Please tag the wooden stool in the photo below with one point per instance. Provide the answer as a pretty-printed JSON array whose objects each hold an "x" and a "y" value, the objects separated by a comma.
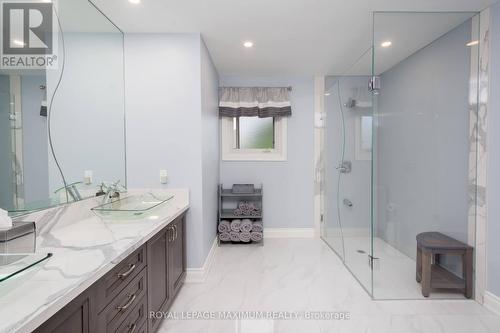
[{"x": 432, "y": 275}]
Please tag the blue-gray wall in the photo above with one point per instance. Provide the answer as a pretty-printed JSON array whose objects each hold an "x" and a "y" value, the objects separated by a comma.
[
  {"x": 422, "y": 152},
  {"x": 172, "y": 124},
  {"x": 493, "y": 240},
  {"x": 209, "y": 145},
  {"x": 288, "y": 185}
]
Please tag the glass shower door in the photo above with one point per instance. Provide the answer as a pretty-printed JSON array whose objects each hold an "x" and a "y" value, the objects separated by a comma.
[{"x": 347, "y": 184}]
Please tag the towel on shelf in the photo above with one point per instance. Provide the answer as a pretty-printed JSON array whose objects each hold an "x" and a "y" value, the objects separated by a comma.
[
  {"x": 234, "y": 236},
  {"x": 235, "y": 225},
  {"x": 246, "y": 208},
  {"x": 256, "y": 236},
  {"x": 258, "y": 226},
  {"x": 244, "y": 236},
  {"x": 255, "y": 212},
  {"x": 224, "y": 226},
  {"x": 224, "y": 236},
  {"x": 246, "y": 225}
]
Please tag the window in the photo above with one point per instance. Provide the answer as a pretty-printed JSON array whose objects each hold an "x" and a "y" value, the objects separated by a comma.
[
  {"x": 364, "y": 138},
  {"x": 254, "y": 139}
]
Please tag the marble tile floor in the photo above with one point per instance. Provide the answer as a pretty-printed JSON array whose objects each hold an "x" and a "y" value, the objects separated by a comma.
[{"x": 302, "y": 276}]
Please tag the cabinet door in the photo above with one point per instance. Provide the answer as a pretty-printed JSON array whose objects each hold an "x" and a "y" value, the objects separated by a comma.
[
  {"x": 74, "y": 318},
  {"x": 158, "y": 272},
  {"x": 177, "y": 251}
]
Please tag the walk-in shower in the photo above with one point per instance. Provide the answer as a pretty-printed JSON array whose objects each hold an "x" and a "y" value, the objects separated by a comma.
[{"x": 398, "y": 153}]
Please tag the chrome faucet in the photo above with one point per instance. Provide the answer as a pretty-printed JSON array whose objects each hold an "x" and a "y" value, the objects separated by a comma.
[{"x": 111, "y": 191}]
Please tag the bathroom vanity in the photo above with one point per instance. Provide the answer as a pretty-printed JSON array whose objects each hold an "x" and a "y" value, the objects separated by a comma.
[
  {"x": 105, "y": 275},
  {"x": 120, "y": 301}
]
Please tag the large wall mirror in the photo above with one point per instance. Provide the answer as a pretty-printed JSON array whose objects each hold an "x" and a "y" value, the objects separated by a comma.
[{"x": 62, "y": 130}]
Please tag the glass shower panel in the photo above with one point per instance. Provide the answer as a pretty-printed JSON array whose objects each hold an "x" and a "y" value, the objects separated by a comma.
[
  {"x": 347, "y": 205},
  {"x": 426, "y": 64}
]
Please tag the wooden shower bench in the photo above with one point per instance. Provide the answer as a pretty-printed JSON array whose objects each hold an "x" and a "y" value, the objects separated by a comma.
[{"x": 431, "y": 274}]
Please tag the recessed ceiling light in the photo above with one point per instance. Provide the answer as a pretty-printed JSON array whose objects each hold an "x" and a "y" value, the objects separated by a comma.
[
  {"x": 327, "y": 94},
  {"x": 135, "y": 2},
  {"x": 387, "y": 43},
  {"x": 472, "y": 43},
  {"x": 248, "y": 44}
]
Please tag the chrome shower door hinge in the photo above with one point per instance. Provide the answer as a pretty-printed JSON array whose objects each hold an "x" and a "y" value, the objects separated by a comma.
[
  {"x": 373, "y": 262},
  {"x": 374, "y": 84}
]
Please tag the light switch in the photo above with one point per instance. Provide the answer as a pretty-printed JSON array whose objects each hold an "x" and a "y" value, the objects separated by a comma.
[
  {"x": 163, "y": 176},
  {"x": 87, "y": 177}
]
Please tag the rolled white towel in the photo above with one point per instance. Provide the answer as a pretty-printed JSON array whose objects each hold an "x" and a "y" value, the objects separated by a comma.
[
  {"x": 224, "y": 226},
  {"x": 257, "y": 226},
  {"x": 235, "y": 225},
  {"x": 246, "y": 225},
  {"x": 244, "y": 236},
  {"x": 235, "y": 236},
  {"x": 224, "y": 236},
  {"x": 256, "y": 236}
]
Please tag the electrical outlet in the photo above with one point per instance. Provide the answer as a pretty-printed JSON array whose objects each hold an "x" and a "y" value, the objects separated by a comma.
[
  {"x": 87, "y": 177},
  {"x": 163, "y": 176}
]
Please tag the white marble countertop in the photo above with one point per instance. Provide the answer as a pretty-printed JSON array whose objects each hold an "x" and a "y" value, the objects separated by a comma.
[{"x": 85, "y": 247}]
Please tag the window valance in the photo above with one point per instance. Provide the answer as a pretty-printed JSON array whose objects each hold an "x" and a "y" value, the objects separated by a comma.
[{"x": 259, "y": 102}]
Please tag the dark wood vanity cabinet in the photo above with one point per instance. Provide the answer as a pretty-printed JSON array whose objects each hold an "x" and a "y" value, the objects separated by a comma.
[
  {"x": 166, "y": 268},
  {"x": 74, "y": 317},
  {"x": 177, "y": 257},
  {"x": 121, "y": 301},
  {"x": 158, "y": 270}
]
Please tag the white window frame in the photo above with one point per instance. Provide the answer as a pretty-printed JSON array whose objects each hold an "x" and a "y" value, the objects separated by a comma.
[{"x": 228, "y": 142}]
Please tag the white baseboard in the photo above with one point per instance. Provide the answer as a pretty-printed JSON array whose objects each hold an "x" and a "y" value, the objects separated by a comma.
[
  {"x": 199, "y": 275},
  {"x": 289, "y": 233},
  {"x": 492, "y": 302}
]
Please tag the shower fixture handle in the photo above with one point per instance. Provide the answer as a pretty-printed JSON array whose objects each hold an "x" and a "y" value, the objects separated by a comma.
[
  {"x": 348, "y": 203},
  {"x": 344, "y": 167}
]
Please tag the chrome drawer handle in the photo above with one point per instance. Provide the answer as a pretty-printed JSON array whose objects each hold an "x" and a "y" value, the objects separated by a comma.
[
  {"x": 130, "y": 301},
  {"x": 127, "y": 272},
  {"x": 131, "y": 327},
  {"x": 170, "y": 239},
  {"x": 175, "y": 232}
]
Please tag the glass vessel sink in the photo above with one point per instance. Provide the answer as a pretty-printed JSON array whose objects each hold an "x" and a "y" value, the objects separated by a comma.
[
  {"x": 15, "y": 263},
  {"x": 132, "y": 207}
]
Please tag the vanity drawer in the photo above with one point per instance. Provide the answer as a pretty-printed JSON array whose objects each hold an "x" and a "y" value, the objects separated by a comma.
[
  {"x": 113, "y": 282},
  {"x": 123, "y": 304},
  {"x": 136, "y": 319}
]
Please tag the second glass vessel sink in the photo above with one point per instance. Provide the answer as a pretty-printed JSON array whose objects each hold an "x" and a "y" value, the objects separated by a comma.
[{"x": 132, "y": 207}]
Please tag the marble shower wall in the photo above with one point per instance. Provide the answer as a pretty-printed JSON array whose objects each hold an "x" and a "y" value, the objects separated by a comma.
[{"x": 479, "y": 154}]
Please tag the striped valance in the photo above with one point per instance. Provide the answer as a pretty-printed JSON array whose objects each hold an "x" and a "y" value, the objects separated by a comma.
[{"x": 260, "y": 102}]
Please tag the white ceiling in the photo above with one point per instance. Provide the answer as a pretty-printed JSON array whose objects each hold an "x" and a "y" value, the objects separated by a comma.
[{"x": 292, "y": 37}]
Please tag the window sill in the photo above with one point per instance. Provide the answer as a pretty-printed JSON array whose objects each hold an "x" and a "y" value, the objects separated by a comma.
[{"x": 256, "y": 156}]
